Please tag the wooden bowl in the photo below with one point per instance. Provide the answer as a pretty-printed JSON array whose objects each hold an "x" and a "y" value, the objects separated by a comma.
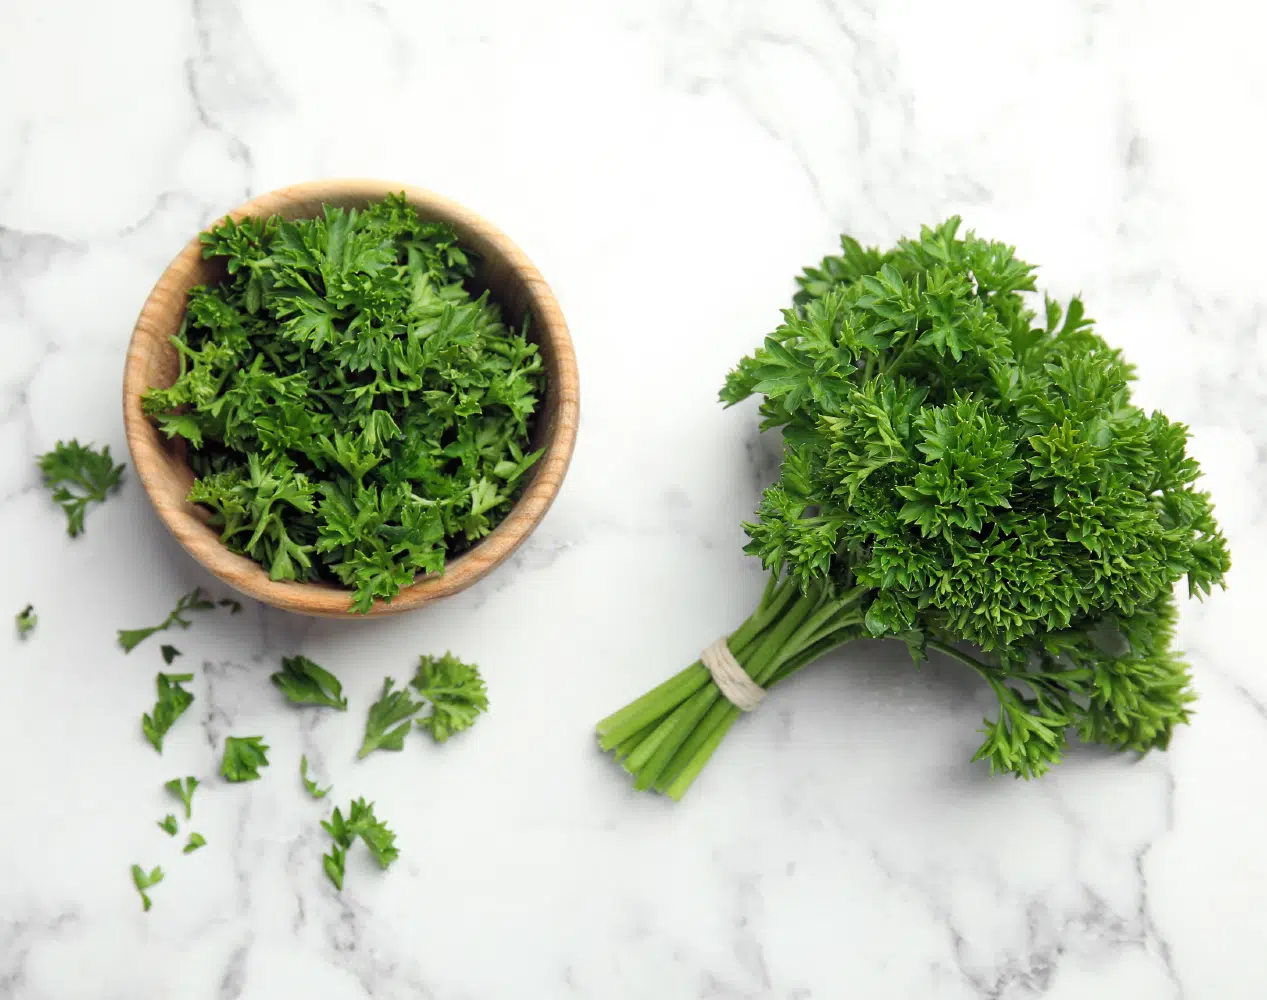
[{"x": 161, "y": 464}]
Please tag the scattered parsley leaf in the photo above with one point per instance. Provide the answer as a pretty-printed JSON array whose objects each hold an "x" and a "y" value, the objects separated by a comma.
[
  {"x": 228, "y": 602},
  {"x": 356, "y": 410},
  {"x": 195, "y": 600},
  {"x": 172, "y": 702},
  {"x": 196, "y": 840},
  {"x": 168, "y": 825},
  {"x": 79, "y": 476},
  {"x": 243, "y": 757},
  {"x": 305, "y": 683},
  {"x": 360, "y": 822},
  {"x": 456, "y": 693},
  {"x": 26, "y": 620},
  {"x": 169, "y": 653},
  {"x": 184, "y": 790},
  {"x": 334, "y": 864},
  {"x": 143, "y": 880},
  {"x": 313, "y": 789},
  {"x": 393, "y": 708}
]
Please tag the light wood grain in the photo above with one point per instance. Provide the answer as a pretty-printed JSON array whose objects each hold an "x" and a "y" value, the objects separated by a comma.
[{"x": 513, "y": 282}]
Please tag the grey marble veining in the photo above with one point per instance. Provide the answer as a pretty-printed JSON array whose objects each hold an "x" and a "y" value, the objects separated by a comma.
[{"x": 669, "y": 165}]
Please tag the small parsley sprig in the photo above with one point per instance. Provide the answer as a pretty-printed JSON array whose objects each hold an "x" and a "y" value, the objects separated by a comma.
[
  {"x": 26, "y": 620},
  {"x": 306, "y": 683},
  {"x": 243, "y": 758},
  {"x": 195, "y": 600},
  {"x": 172, "y": 702},
  {"x": 144, "y": 880},
  {"x": 455, "y": 691},
  {"x": 196, "y": 840},
  {"x": 79, "y": 476},
  {"x": 169, "y": 825},
  {"x": 313, "y": 788},
  {"x": 360, "y": 822},
  {"x": 183, "y": 789},
  {"x": 355, "y": 409},
  {"x": 389, "y": 720}
]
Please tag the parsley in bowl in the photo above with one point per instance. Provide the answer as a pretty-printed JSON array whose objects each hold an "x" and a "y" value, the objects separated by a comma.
[{"x": 349, "y": 397}]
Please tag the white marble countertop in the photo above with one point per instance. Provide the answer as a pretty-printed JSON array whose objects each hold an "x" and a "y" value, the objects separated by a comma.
[{"x": 669, "y": 165}]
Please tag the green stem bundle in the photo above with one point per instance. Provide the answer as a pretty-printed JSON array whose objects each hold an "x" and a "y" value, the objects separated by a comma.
[{"x": 665, "y": 738}]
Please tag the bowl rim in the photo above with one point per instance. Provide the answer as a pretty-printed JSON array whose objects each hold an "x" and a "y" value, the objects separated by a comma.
[{"x": 149, "y": 452}]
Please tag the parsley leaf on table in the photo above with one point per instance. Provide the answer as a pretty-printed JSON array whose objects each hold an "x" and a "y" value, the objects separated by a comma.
[
  {"x": 393, "y": 709},
  {"x": 243, "y": 757},
  {"x": 306, "y": 683},
  {"x": 26, "y": 620},
  {"x": 79, "y": 476},
  {"x": 313, "y": 789},
  {"x": 144, "y": 880},
  {"x": 355, "y": 409},
  {"x": 360, "y": 822},
  {"x": 195, "y": 600},
  {"x": 172, "y": 702},
  {"x": 184, "y": 790},
  {"x": 169, "y": 653},
  {"x": 196, "y": 840},
  {"x": 168, "y": 825},
  {"x": 456, "y": 693}
]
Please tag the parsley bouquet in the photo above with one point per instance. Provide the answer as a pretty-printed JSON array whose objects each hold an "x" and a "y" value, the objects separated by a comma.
[
  {"x": 961, "y": 475},
  {"x": 353, "y": 409}
]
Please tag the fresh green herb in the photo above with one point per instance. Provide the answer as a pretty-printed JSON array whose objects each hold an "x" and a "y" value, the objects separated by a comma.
[
  {"x": 78, "y": 476},
  {"x": 243, "y": 757},
  {"x": 305, "y": 683},
  {"x": 169, "y": 653},
  {"x": 172, "y": 702},
  {"x": 313, "y": 789},
  {"x": 26, "y": 620},
  {"x": 228, "y": 602},
  {"x": 361, "y": 822},
  {"x": 144, "y": 881},
  {"x": 393, "y": 708},
  {"x": 184, "y": 790},
  {"x": 195, "y": 600},
  {"x": 456, "y": 693},
  {"x": 352, "y": 412},
  {"x": 168, "y": 825},
  {"x": 962, "y": 476},
  {"x": 335, "y": 863},
  {"x": 196, "y": 840}
]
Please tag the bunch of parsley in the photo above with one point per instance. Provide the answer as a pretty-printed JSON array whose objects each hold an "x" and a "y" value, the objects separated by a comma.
[
  {"x": 964, "y": 476},
  {"x": 353, "y": 410}
]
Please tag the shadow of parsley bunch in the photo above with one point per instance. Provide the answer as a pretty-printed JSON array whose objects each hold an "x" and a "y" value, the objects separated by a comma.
[
  {"x": 962, "y": 476},
  {"x": 352, "y": 410}
]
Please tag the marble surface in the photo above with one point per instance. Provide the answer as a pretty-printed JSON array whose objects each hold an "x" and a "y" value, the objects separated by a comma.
[{"x": 669, "y": 165}]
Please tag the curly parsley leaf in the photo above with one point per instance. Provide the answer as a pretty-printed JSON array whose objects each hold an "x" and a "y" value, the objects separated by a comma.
[
  {"x": 455, "y": 691},
  {"x": 313, "y": 789},
  {"x": 359, "y": 822},
  {"x": 144, "y": 880},
  {"x": 306, "y": 683},
  {"x": 196, "y": 840},
  {"x": 195, "y": 600},
  {"x": 26, "y": 620},
  {"x": 172, "y": 702},
  {"x": 79, "y": 476},
  {"x": 388, "y": 722},
  {"x": 168, "y": 825},
  {"x": 243, "y": 758},
  {"x": 355, "y": 410},
  {"x": 184, "y": 790},
  {"x": 169, "y": 653}
]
